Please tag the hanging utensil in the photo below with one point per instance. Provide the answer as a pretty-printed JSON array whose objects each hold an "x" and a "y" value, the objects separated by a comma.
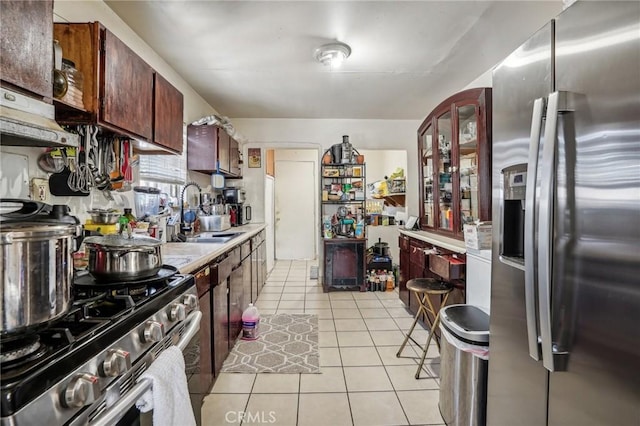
[
  {"x": 217, "y": 179},
  {"x": 116, "y": 175},
  {"x": 81, "y": 179},
  {"x": 49, "y": 164},
  {"x": 126, "y": 166},
  {"x": 59, "y": 182}
]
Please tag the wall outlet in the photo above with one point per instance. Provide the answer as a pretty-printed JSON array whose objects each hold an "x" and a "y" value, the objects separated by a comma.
[{"x": 40, "y": 190}]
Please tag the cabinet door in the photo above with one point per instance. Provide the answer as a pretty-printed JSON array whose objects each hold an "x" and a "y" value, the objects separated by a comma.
[
  {"x": 458, "y": 159},
  {"x": 236, "y": 304},
  {"x": 202, "y": 148},
  {"x": 247, "y": 282},
  {"x": 234, "y": 157},
  {"x": 26, "y": 48},
  {"x": 223, "y": 151},
  {"x": 262, "y": 256},
  {"x": 126, "y": 88},
  {"x": 344, "y": 264},
  {"x": 444, "y": 172},
  {"x": 220, "y": 326},
  {"x": 467, "y": 148},
  {"x": 168, "y": 114},
  {"x": 404, "y": 271},
  {"x": 427, "y": 176},
  {"x": 206, "y": 348}
]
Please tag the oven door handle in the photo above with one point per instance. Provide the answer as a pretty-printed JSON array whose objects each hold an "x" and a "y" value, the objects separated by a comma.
[{"x": 116, "y": 411}]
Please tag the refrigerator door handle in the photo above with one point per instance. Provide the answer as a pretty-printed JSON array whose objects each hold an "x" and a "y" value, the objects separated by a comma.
[
  {"x": 529, "y": 230},
  {"x": 557, "y": 103}
]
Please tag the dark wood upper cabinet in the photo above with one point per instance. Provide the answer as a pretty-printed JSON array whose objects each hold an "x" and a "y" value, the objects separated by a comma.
[
  {"x": 207, "y": 145},
  {"x": 168, "y": 114},
  {"x": 121, "y": 92},
  {"x": 202, "y": 148},
  {"x": 454, "y": 147},
  {"x": 224, "y": 154},
  {"x": 234, "y": 157},
  {"x": 26, "y": 46},
  {"x": 126, "y": 88}
]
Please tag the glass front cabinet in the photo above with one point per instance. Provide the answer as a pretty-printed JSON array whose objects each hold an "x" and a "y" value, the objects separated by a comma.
[{"x": 454, "y": 147}]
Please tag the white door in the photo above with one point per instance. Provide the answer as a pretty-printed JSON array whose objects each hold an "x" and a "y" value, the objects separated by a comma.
[
  {"x": 269, "y": 219},
  {"x": 295, "y": 205}
]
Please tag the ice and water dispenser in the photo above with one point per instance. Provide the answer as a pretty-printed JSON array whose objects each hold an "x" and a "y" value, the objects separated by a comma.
[{"x": 513, "y": 211}]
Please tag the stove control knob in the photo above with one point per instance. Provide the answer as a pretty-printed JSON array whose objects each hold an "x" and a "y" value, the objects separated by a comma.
[
  {"x": 117, "y": 362},
  {"x": 177, "y": 312},
  {"x": 153, "y": 332},
  {"x": 190, "y": 301},
  {"x": 83, "y": 389}
]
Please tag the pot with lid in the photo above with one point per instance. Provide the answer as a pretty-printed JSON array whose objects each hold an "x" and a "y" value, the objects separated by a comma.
[
  {"x": 37, "y": 242},
  {"x": 117, "y": 258},
  {"x": 381, "y": 249}
]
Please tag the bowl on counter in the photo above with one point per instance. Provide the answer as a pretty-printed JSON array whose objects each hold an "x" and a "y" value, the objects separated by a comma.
[{"x": 106, "y": 217}]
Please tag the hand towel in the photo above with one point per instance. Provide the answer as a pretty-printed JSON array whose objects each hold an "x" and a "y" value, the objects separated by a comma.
[{"x": 169, "y": 395}]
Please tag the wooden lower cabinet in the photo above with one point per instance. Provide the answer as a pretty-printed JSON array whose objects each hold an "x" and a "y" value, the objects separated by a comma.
[
  {"x": 220, "y": 325},
  {"x": 198, "y": 356},
  {"x": 344, "y": 264},
  {"x": 415, "y": 263},
  {"x": 403, "y": 242},
  {"x": 236, "y": 304}
]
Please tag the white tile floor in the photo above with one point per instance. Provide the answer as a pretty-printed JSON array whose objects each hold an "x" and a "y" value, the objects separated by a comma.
[{"x": 362, "y": 382}]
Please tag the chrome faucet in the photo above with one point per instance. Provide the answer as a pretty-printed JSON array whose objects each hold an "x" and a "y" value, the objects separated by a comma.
[{"x": 183, "y": 228}]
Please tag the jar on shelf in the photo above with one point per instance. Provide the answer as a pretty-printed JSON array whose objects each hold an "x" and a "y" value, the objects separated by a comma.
[{"x": 75, "y": 81}]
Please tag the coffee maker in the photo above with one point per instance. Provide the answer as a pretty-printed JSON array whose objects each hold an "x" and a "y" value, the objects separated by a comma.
[{"x": 241, "y": 215}]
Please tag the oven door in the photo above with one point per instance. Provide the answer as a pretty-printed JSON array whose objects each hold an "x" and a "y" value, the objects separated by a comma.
[{"x": 124, "y": 411}]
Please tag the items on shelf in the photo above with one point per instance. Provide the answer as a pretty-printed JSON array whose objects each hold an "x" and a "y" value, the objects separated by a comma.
[
  {"x": 343, "y": 183},
  {"x": 380, "y": 280}
]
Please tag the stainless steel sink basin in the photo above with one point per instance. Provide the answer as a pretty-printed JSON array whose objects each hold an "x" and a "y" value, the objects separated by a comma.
[{"x": 214, "y": 237}]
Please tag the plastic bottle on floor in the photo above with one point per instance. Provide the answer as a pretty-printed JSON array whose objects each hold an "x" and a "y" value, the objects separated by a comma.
[{"x": 250, "y": 322}]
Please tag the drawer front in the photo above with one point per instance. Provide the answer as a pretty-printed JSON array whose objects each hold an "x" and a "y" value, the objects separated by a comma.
[
  {"x": 447, "y": 266},
  {"x": 416, "y": 254},
  {"x": 403, "y": 242},
  {"x": 203, "y": 280}
]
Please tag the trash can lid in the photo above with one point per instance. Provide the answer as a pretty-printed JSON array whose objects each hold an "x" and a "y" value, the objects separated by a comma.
[{"x": 467, "y": 323}]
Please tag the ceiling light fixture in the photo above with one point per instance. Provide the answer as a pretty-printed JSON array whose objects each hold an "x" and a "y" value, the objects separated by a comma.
[{"x": 332, "y": 54}]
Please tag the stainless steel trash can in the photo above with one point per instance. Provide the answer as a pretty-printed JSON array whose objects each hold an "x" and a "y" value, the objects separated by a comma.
[{"x": 463, "y": 365}]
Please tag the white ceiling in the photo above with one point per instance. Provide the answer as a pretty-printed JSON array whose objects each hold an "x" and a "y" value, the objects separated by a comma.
[{"x": 254, "y": 59}]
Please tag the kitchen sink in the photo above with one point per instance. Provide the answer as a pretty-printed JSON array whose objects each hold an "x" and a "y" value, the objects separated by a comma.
[{"x": 214, "y": 237}]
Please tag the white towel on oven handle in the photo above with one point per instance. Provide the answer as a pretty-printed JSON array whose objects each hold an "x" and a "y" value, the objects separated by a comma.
[{"x": 169, "y": 395}]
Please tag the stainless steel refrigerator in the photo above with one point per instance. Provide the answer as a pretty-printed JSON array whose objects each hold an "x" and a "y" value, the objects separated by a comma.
[{"x": 565, "y": 297}]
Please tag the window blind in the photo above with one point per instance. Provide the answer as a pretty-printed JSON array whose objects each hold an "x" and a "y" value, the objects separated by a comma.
[{"x": 165, "y": 168}]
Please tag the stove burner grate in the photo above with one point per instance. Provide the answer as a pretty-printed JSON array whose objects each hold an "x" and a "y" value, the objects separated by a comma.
[
  {"x": 87, "y": 281},
  {"x": 12, "y": 350}
]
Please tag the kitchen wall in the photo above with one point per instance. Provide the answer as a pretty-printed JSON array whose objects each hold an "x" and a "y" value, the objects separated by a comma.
[{"x": 321, "y": 134}]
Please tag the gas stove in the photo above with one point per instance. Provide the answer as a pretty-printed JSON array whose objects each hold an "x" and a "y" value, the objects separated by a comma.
[{"x": 78, "y": 369}]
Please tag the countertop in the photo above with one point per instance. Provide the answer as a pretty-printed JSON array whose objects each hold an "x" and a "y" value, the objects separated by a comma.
[
  {"x": 188, "y": 257},
  {"x": 456, "y": 246}
]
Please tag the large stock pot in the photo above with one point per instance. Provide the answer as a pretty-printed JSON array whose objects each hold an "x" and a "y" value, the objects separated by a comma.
[
  {"x": 37, "y": 272},
  {"x": 116, "y": 258}
]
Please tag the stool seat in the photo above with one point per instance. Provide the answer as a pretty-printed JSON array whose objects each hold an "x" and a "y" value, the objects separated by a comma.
[
  {"x": 429, "y": 285},
  {"x": 423, "y": 288}
]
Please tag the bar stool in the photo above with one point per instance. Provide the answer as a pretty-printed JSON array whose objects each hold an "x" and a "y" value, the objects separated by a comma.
[{"x": 422, "y": 288}]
